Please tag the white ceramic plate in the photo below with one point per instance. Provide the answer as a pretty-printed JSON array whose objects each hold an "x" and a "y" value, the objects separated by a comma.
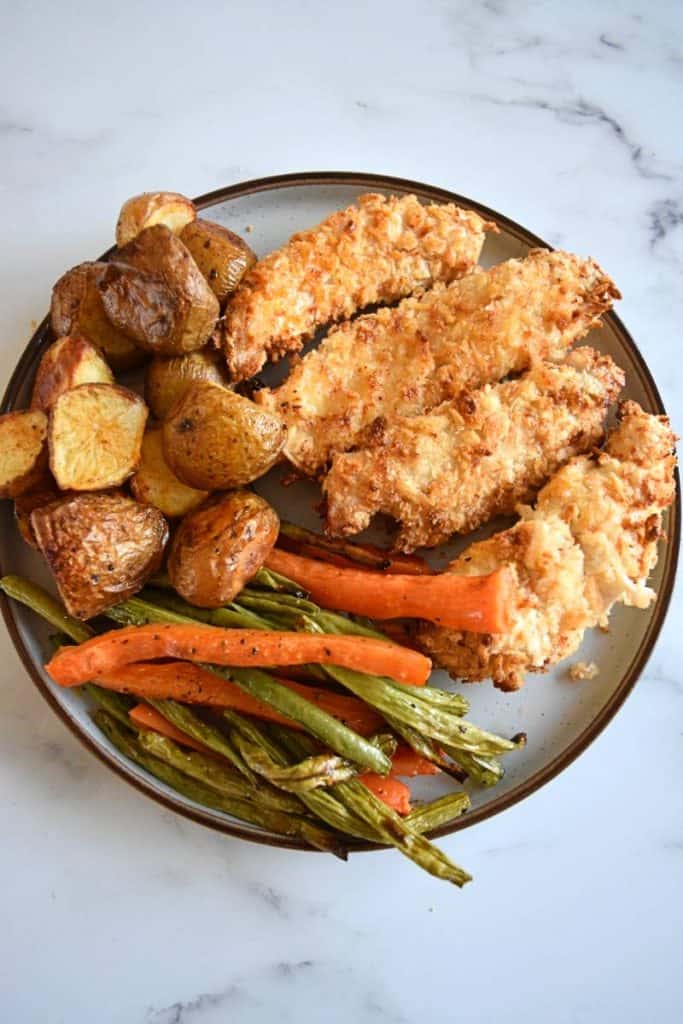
[{"x": 560, "y": 717}]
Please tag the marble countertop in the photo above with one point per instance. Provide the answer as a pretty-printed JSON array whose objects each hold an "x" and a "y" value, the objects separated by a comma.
[{"x": 567, "y": 118}]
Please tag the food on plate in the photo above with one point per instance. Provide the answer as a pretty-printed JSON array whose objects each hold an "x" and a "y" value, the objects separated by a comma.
[
  {"x": 26, "y": 503},
  {"x": 590, "y": 542},
  {"x": 581, "y": 670},
  {"x": 23, "y": 451},
  {"x": 168, "y": 378},
  {"x": 68, "y": 362},
  {"x": 473, "y": 458},
  {"x": 171, "y": 209},
  {"x": 217, "y": 440},
  {"x": 101, "y": 548},
  {"x": 348, "y": 554},
  {"x": 218, "y": 548},
  {"x": 76, "y": 308},
  {"x": 154, "y": 482},
  {"x": 156, "y": 294},
  {"x": 480, "y": 603},
  {"x": 378, "y": 250},
  {"x": 95, "y": 436},
  {"x": 221, "y": 255},
  {"x": 406, "y": 360}
]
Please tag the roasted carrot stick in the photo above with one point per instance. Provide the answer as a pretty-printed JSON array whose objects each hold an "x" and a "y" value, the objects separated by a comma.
[
  {"x": 391, "y": 791},
  {"x": 149, "y": 718},
  {"x": 248, "y": 648},
  {"x": 475, "y": 603},
  {"x": 344, "y": 552},
  {"x": 409, "y": 764}
]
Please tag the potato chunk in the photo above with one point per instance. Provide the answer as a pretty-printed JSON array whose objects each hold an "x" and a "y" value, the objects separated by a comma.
[
  {"x": 66, "y": 364},
  {"x": 150, "y": 208},
  {"x": 217, "y": 440},
  {"x": 77, "y": 309},
  {"x": 167, "y": 380},
  {"x": 156, "y": 484},
  {"x": 217, "y": 549},
  {"x": 101, "y": 548},
  {"x": 222, "y": 256},
  {"x": 23, "y": 451},
  {"x": 155, "y": 293},
  {"x": 95, "y": 436}
]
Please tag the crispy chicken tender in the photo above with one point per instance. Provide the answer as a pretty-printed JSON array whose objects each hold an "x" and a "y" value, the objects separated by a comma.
[
  {"x": 475, "y": 457},
  {"x": 405, "y": 361},
  {"x": 376, "y": 251},
  {"x": 590, "y": 542}
]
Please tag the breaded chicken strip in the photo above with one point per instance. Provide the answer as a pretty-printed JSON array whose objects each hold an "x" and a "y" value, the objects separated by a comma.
[
  {"x": 376, "y": 251},
  {"x": 590, "y": 542},
  {"x": 405, "y": 361},
  {"x": 475, "y": 457}
]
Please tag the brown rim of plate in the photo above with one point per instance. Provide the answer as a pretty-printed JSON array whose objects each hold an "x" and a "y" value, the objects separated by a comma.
[{"x": 41, "y": 338}]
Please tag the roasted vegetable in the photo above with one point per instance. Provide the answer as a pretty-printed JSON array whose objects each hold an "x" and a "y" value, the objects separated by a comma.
[
  {"x": 222, "y": 256},
  {"x": 155, "y": 293},
  {"x": 144, "y": 211},
  {"x": 156, "y": 484},
  {"x": 101, "y": 548},
  {"x": 95, "y": 436},
  {"x": 68, "y": 362},
  {"x": 23, "y": 452},
  {"x": 217, "y": 440},
  {"x": 25, "y": 504},
  {"x": 77, "y": 309},
  {"x": 166, "y": 380},
  {"x": 217, "y": 549}
]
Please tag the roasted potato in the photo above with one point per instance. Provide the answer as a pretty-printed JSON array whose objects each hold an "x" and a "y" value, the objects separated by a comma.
[
  {"x": 166, "y": 380},
  {"x": 101, "y": 548},
  {"x": 217, "y": 440},
  {"x": 68, "y": 362},
  {"x": 156, "y": 484},
  {"x": 154, "y": 292},
  {"x": 25, "y": 504},
  {"x": 95, "y": 436},
  {"x": 150, "y": 208},
  {"x": 222, "y": 256},
  {"x": 23, "y": 452},
  {"x": 217, "y": 549},
  {"x": 77, "y": 308}
]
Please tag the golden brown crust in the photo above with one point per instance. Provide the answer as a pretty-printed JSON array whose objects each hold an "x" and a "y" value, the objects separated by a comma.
[
  {"x": 154, "y": 482},
  {"x": 221, "y": 255},
  {"x": 68, "y": 362},
  {"x": 475, "y": 457},
  {"x": 23, "y": 452},
  {"x": 590, "y": 542},
  {"x": 406, "y": 360},
  {"x": 375, "y": 251}
]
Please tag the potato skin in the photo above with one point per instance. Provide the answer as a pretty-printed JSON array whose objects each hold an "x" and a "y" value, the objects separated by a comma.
[
  {"x": 25, "y": 504},
  {"x": 154, "y": 483},
  {"x": 150, "y": 208},
  {"x": 217, "y": 440},
  {"x": 217, "y": 549},
  {"x": 222, "y": 256},
  {"x": 23, "y": 452},
  {"x": 167, "y": 379},
  {"x": 76, "y": 308},
  {"x": 95, "y": 436},
  {"x": 101, "y": 548},
  {"x": 155, "y": 293},
  {"x": 68, "y": 362}
]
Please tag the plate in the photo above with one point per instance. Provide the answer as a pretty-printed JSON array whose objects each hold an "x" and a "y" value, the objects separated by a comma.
[{"x": 561, "y": 717}]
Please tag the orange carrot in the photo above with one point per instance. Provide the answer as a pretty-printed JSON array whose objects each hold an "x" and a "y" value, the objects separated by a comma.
[
  {"x": 392, "y": 792},
  {"x": 247, "y": 648},
  {"x": 475, "y": 603},
  {"x": 149, "y": 718},
  {"x": 409, "y": 764},
  {"x": 192, "y": 684}
]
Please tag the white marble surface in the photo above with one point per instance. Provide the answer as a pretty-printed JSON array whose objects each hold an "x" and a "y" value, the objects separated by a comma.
[{"x": 566, "y": 117}]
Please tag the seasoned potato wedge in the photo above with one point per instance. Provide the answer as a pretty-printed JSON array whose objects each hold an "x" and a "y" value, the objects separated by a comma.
[
  {"x": 166, "y": 380},
  {"x": 154, "y": 292},
  {"x": 155, "y": 483},
  {"x": 222, "y": 256},
  {"x": 77, "y": 308},
  {"x": 217, "y": 440},
  {"x": 101, "y": 548},
  {"x": 95, "y": 436},
  {"x": 25, "y": 504},
  {"x": 68, "y": 362},
  {"x": 150, "y": 208},
  {"x": 217, "y": 549},
  {"x": 23, "y": 452}
]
